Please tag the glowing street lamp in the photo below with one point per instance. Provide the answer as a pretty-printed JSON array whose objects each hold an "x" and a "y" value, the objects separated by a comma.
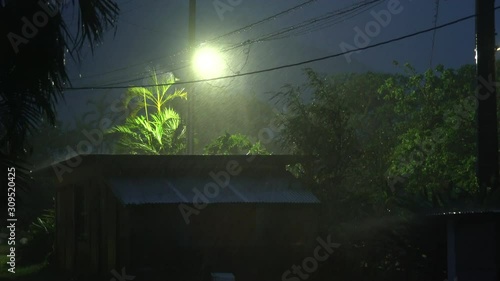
[{"x": 208, "y": 62}]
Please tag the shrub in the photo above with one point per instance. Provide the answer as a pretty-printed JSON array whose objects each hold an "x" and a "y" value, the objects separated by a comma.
[{"x": 40, "y": 241}]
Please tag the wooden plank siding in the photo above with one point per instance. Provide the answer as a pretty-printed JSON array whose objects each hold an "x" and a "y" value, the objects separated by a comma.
[
  {"x": 59, "y": 243},
  {"x": 63, "y": 215},
  {"x": 103, "y": 252},
  {"x": 94, "y": 225},
  {"x": 81, "y": 234},
  {"x": 68, "y": 229},
  {"x": 79, "y": 247},
  {"x": 123, "y": 236},
  {"x": 111, "y": 228},
  {"x": 96, "y": 232}
]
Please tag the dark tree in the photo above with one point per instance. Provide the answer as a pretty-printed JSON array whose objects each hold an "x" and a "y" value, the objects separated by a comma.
[{"x": 35, "y": 40}]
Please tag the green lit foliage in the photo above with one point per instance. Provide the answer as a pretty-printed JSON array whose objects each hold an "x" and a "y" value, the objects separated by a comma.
[
  {"x": 370, "y": 118},
  {"x": 161, "y": 133},
  {"x": 338, "y": 128},
  {"x": 319, "y": 128},
  {"x": 152, "y": 127},
  {"x": 415, "y": 129},
  {"x": 234, "y": 144},
  {"x": 434, "y": 157},
  {"x": 40, "y": 239},
  {"x": 148, "y": 100},
  {"x": 347, "y": 129}
]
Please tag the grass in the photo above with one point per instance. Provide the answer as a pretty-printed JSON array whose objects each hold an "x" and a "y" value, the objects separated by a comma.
[
  {"x": 29, "y": 272},
  {"x": 32, "y": 272}
]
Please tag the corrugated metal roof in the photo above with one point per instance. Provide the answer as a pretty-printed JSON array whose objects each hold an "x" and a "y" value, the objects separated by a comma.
[
  {"x": 465, "y": 212},
  {"x": 139, "y": 191}
]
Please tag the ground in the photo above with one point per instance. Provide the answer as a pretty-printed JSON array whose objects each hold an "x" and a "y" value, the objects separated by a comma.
[{"x": 35, "y": 272}]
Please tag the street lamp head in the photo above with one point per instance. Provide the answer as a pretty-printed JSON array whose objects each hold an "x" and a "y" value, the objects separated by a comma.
[{"x": 208, "y": 62}]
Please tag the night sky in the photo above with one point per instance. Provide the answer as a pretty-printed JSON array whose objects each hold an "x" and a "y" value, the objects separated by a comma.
[{"x": 154, "y": 33}]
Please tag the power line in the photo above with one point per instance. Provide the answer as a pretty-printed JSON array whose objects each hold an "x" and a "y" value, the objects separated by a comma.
[
  {"x": 280, "y": 34},
  {"x": 322, "y": 22},
  {"x": 344, "y": 14},
  {"x": 263, "y": 20},
  {"x": 292, "y": 64},
  {"x": 244, "y": 28},
  {"x": 185, "y": 65}
]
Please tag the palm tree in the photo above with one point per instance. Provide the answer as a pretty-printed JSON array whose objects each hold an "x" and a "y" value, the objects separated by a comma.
[
  {"x": 159, "y": 133},
  {"x": 152, "y": 127},
  {"x": 34, "y": 41},
  {"x": 145, "y": 99}
]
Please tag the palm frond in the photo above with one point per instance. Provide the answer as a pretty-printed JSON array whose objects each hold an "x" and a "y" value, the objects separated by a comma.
[
  {"x": 95, "y": 16},
  {"x": 34, "y": 73}
]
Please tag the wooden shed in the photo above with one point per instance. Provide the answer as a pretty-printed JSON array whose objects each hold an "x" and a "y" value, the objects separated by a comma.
[{"x": 182, "y": 216}]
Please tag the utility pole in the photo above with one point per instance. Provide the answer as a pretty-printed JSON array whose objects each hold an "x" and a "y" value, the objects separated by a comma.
[
  {"x": 190, "y": 100},
  {"x": 487, "y": 127}
]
